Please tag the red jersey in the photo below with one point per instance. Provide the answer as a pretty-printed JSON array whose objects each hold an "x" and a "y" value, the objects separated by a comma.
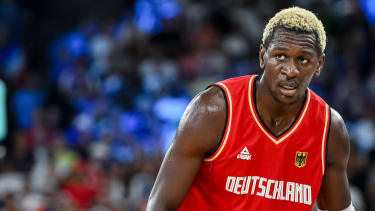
[{"x": 255, "y": 170}]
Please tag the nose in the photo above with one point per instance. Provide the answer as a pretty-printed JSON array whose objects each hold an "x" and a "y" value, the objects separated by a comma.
[{"x": 290, "y": 69}]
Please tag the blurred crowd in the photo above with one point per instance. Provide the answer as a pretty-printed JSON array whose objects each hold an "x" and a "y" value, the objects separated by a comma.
[{"x": 93, "y": 104}]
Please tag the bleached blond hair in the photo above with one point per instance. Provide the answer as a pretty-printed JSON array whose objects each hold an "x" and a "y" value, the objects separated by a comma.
[{"x": 296, "y": 19}]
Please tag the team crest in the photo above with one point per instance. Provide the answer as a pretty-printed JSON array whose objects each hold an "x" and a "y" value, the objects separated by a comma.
[{"x": 300, "y": 160}]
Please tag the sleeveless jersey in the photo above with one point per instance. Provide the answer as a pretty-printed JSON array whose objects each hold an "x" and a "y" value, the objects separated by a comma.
[{"x": 254, "y": 170}]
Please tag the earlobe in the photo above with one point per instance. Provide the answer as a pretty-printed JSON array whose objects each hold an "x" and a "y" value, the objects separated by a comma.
[
  {"x": 262, "y": 52},
  {"x": 317, "y": 72},
  {"x": 320, "y": 65}
]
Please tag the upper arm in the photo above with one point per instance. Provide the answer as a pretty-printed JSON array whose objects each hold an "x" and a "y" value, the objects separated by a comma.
[
  {"x": 199, "y": 132},
  {"x": 334, "y": 193}
]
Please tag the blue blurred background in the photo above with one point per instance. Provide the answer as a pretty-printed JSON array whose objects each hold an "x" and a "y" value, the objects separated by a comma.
[{"x": 95, "y": 90}]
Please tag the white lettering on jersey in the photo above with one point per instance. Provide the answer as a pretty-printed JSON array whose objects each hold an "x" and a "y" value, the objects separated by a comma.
[
  {"x": 275, "y": 189},
  {"x": 245, "y": 188},
  {"x": 289, "y": 191},
  {"x": 261, "y": 186},
  {"x": 306, "y": 194},
  {"x": 238, "y": 185},
  {"x": 298, "y": 193},
  {"x": 270, "y": 189},
  {"x": 279, "y": 191},
  {"x": 255, "y": 178},
  {"x": 270, "y": 181},
  {"x": 230, "y": 184}
]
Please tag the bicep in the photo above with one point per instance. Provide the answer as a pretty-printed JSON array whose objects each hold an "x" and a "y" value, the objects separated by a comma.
[
  {"x": 175, "y": 177},
  {"x": 199, "y": 131},
  {"x": 334, "y": 193}
]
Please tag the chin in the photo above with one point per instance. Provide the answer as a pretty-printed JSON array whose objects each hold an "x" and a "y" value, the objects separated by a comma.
[{"x": 287, "y": 100}]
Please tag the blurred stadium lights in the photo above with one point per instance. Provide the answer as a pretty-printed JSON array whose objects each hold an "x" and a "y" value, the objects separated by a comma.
[
  {"x": 149, "y": 14},
  {"x": 76, "y": 44},
  {"x": 368, "y": 7}
]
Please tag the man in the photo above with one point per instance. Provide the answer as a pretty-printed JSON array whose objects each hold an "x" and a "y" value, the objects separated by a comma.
[{"x": 261, "y": 142}]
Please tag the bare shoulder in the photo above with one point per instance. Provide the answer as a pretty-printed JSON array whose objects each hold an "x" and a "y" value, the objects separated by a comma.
[
  {"x": 209, "y": 101},
  {"x": 338, "y": 140},
  {"x": 203, "y": 121},
  {"x": 337, "y": 122},
  {"x": 199, "y": 132}
]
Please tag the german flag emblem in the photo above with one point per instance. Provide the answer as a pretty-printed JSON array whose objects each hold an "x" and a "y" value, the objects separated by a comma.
[{"x": 300, "y": 160}]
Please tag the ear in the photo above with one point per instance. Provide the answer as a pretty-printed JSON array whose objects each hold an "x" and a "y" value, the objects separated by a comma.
[
  {"x": 262, "y": 53},
  {"x": 321, "y": 61}
]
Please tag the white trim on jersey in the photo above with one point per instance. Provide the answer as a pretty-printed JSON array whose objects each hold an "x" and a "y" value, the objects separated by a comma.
[{"x": 350, "y": 208}]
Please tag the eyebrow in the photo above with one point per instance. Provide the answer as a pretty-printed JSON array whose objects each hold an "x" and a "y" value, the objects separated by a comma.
[
  {"x": 304, "y": 50},
  {"x": 309, "y": 52}
]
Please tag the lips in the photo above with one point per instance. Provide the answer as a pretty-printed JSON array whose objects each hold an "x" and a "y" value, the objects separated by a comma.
[{"x": 288, "y": 89}]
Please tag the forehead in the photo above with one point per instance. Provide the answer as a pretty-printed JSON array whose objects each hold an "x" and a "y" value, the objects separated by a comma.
[{"x": 288, "y": 39}]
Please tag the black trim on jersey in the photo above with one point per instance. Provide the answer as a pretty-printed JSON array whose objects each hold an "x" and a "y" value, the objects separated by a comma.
[
  {"x": 264, "y": 125},
  {"x": 329, "y": 130},
  {"x": 213, "y": 151}
]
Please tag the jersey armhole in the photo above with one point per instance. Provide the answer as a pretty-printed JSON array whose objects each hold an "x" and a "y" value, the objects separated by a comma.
[
  {"x": 210, "y": 156},
  {"x": 327, "y": 129}
]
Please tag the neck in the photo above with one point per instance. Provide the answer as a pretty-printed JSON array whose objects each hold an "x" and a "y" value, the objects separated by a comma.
[{"x": 274, "y": 113}]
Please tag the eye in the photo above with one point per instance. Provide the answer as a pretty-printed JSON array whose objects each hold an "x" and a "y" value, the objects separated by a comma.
[
  {"x": 280, "y": 56},
  {"x": 303, "y": 60}
]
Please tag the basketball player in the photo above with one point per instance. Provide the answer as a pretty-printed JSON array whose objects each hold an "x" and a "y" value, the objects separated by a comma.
[{"x": 261, "y": 143}]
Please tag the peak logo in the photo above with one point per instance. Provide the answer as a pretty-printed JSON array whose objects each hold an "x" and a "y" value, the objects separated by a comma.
[{"x": 244, "y": 155}]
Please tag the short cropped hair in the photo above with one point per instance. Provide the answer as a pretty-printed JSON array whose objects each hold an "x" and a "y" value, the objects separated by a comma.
[{"x": 298, "y": 20}]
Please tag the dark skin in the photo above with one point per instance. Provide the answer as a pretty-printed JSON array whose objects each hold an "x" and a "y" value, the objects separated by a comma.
[{"x": 289, "y": 63}]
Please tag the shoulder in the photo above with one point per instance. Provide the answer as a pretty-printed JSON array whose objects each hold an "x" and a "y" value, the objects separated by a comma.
[
  {"x": 338, "y": 139},
  {"x": 206, "y": 112},
  {"x": 209, "y": 103},
  {"x": 338, "y": 127},
  {"x": 336, "y": 119}
]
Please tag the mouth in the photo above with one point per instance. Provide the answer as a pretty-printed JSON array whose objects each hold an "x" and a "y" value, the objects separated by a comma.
[{"x": 288, "y": 90}]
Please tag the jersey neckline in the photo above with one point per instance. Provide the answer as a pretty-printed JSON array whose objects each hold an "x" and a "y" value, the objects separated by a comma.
[{"x": 277, "y": 139}]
